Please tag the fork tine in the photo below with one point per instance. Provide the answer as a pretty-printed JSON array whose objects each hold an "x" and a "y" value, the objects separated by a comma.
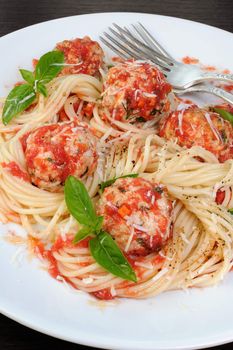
[
  {"x": 128, "y": 45},
  {"x": 143, "y": 32},
  {"x": 122, "y": 54},
  {"x": 122, "y": 47},
  {"x": 135, "y": 51},
  {"x": 169, "y": 61},
  {"x": 144, "y": 37},
  {"x": 113, "y": 48}
]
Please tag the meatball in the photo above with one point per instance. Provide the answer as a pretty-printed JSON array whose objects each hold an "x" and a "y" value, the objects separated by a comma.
[
  {"x": 55, "y": 151},
  {"x": 137, "y": 213},
  {"x": 86, "y": 55},
  {"x": 197, "y": 127},
  {"x": 135, "y": 91}
]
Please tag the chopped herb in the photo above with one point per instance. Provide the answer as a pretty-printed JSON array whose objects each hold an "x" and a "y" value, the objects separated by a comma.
[
  {"x": 223, "y": 135},
  {"x": 224, "y": 114},
  {"x": 158, "y": 189},
  {"x": 144, "y": 208},
  {"x": 85, "y": 172},
  {"x": 140, "y": 119},
  {"x": 125, "y": 108},
  {"x": 141, "y": 242},
  {"x": 108, "y": 183},
  {"x": 154, "y": 111},
  {"x": 121, "y": 189}
]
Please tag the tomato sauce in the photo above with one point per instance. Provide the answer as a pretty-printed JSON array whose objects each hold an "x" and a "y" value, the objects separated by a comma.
[
  {"x": 227, "y": 87},
  {"x": 19, "y": 83},
  {"x": 59, "y": 244},
  {"x": 15, "y": 170},
  {"x": 190, "y": 60},
  {"x": 103, "y": 294},
  {"x": 220, "y": 197},
  {"x": 86, "y": 111},
  {"x": 210, "y": 68},
  {"x": 34, "y": 62},
  {"x": 226, "y": 106}
]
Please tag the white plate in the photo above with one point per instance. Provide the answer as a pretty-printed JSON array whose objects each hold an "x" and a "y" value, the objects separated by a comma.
[{"x": 173, "y": 320}]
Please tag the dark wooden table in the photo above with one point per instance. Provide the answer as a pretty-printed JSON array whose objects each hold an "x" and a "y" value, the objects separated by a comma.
[{"x": 16, "y": 14}]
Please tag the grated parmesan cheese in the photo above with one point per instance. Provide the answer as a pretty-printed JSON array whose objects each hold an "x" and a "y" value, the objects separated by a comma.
[
  {"x": 87, "y": 280},
  {"x": 106, "y": 135},
  {"x": 180, "y": 122},
  {"x": 113, "y": 291},
  {"x": 184, "y": 238},
  {"x": 18, "y": 256},
  {"x": 147, "y": 94},
  {"x": 166, "y": 257},
  {"x": 140, "y": 228},
  {"x": 148, "y": 266},
  {"x": 160, "y": 274},
  {"x": 80, "y": 108},
  {"x": 215, "y": 131},
  {"x": 130, "y": 239}
]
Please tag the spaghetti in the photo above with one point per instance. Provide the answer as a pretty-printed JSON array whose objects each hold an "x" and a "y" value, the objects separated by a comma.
[{"x": 124, "y": 112}]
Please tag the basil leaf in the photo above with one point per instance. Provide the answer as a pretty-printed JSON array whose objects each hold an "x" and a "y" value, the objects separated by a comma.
[
  {"x": 83, "y": 233},
  {"x": 98, "y": 223},
  {"x": 42, "y": 89},
  {"x": 108, "y": 183},
  {"x": 107, "y": 254},
  {"x": 230, "y": 211},
  {"x": 49, "y": 66},
  {"x": 224, "y": 114},
  {"x": 20, "y": 98},
  {"x": 79, "y": 202},
  {"x": 28, "y": 76}
]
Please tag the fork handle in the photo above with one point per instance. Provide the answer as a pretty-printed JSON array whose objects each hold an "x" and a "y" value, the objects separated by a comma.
[
  {"x": 208, "y": 89},
  {"x": 217, "y": 76}
]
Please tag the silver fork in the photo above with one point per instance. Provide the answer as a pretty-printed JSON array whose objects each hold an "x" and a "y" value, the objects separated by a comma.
[{"x": 184, "y": 78}]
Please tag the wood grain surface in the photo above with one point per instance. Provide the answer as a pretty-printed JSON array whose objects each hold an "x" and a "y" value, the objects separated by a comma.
[{"x": 16, "y": 14}]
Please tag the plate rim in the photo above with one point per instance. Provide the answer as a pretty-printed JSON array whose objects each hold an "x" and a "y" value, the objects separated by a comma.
[
  {"x": 113, "y": 13},
  {"x": 107, "y": 344}
]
